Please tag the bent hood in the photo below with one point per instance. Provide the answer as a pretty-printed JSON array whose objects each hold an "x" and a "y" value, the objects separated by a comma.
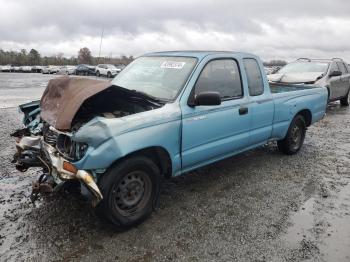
[
  {"x": 295, "y": 78},
  {"x": 64, "y": 96}
]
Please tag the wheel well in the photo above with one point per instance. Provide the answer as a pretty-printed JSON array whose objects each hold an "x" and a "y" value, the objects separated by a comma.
[
  {"x": 158, "y": 154},
  {"x": 306, "y": 114}
]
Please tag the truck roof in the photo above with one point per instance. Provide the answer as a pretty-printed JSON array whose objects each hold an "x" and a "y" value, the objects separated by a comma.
[{"x": 196, "y": 53}]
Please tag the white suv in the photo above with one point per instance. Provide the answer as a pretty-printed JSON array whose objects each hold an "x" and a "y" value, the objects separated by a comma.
[{"x": 107, "y": 70}]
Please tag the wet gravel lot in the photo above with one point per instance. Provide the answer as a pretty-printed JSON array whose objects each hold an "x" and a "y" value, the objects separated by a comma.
[{"x": 257, "y": 206}]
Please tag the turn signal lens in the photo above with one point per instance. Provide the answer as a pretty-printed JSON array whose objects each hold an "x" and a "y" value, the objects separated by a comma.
[{"x": 69, "y": 167}]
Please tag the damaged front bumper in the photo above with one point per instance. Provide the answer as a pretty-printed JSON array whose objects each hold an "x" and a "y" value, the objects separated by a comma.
[{"x": 34, "y": 151}]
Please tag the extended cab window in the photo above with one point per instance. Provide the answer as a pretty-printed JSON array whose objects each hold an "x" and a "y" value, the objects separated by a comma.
[
  {"x": 254, "y": 77},
  {"x": 220, "y": 76}
]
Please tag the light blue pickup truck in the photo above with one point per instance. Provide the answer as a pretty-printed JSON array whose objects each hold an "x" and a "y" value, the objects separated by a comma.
[{"x": 164, "y": 115}]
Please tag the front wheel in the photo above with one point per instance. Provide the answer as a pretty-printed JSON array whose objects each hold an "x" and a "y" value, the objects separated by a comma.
[
  {"x": 345, "y": 100},
  {"x": 294, "y": 139},
  {"x": 109, "y": 75},
  {"x": 130, "y": 191}
]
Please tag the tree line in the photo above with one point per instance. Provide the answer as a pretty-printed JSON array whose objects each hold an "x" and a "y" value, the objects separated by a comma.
[{"x": 33, "y": 57}]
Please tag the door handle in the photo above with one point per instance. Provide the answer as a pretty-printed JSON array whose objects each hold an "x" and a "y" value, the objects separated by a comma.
[{"x": 243, "y": 110}]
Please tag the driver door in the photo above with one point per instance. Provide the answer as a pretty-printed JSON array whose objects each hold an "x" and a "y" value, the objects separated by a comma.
[{"x": 213, "y": 132}]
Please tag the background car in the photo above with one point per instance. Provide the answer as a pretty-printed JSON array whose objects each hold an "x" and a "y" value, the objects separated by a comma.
[
  {"x": 85, "y": 70},
  {"x": 6, "y": 68},
  {"x": 107, "y": 70},
  {"x": 37, "y": 69},
  {"x": 67, "y": 70},
  {"x": 45, "y": 70},
  {"x": 51, "y": 69},
  {"x": 25, "y": 69},
  {"x": 120, "y": 66},
  {"x": 334, "y": 74}
]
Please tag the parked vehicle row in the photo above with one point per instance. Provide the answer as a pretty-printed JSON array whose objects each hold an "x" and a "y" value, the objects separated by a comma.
[
  {"x": 24, "y": 69},
  {"x": 107, "y": 70},
  {"x": 168, "y": 113},
  {"x": 334, "y": 74}
]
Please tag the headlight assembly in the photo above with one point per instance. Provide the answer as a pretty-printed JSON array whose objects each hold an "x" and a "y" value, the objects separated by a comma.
[{"x": 70, "y": 149}]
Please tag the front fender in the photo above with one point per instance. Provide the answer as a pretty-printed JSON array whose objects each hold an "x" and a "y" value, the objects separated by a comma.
[{"x": 165, "y": 135}]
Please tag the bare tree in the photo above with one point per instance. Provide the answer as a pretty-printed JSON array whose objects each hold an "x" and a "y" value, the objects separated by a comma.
[{"x": 84, "y": 56}]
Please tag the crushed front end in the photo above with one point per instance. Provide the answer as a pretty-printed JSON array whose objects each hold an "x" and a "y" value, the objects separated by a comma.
[
  {"x": 57, "y": 135},
  {"x": 55, "y": 152}
]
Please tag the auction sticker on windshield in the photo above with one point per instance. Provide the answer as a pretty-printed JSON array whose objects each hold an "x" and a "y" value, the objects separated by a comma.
[{"x": 172, "y": 65}]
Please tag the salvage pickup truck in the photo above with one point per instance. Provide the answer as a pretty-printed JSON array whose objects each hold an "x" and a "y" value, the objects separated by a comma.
[{"x": 164, "y": 115}]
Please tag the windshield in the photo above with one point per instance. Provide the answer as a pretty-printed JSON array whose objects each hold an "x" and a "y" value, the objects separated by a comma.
[
  {"x": 159, "y": 77},
  {"x": 306, "y": 67}
]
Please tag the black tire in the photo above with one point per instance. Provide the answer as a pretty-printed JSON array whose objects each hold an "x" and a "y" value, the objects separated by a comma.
[
  {"x": 345, "y": 100},
  {"x": 98, "y": 73},
  {"x": 294, "y": 139},
  {"x": 109, "y": 75},
  {"x": 76, "y": 73},
  {"x": 130, "y": 191}
]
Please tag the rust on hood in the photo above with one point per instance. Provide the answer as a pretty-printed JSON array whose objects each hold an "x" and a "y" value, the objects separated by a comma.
[{"x": 64, "y": 96}]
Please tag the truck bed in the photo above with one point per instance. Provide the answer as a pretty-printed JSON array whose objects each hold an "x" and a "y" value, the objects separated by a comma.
[{"x": 282, "y": 88}]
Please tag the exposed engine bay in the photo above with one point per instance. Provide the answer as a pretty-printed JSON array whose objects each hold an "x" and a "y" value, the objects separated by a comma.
[{"x": 66, "y": 105}]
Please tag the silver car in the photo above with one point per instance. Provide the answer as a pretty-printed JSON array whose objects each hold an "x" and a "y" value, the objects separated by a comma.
[{"x": 334, "y": 74}]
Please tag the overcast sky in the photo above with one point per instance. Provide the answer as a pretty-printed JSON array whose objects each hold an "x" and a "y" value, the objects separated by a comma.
[{"x": 273, "y": 29}]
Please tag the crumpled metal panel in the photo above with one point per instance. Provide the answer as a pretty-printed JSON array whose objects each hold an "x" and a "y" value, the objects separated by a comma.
[{"x": 64, "y": 96}]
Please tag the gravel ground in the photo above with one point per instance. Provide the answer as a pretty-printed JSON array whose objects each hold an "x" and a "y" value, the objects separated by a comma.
[{"x": 257, "y": 206}]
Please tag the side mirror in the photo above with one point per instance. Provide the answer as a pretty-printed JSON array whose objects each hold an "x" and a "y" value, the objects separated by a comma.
[
  {"x": 335, "y": 73},
  {"x": 207, "y": 99}
]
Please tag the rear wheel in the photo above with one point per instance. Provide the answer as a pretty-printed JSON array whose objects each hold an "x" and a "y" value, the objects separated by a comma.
[
  {"x": 294, "y": 139},
  {"x": 97, "y": 73},
  {"x": 130, "y": 191},
  {"x": 345, "y": 100}
]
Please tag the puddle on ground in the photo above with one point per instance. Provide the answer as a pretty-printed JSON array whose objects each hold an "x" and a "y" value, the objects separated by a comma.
[
  {"x": 302, "y": 223},
  {"x": 325, "y": 222},
  {"x": 336, "y": 246}
]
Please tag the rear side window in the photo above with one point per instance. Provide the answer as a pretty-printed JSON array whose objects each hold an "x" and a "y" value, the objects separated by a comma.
[
  {"x": 220, "y": 76},
  {"x": 254, "y": 77},
  {"x": 342, "y": 68}
]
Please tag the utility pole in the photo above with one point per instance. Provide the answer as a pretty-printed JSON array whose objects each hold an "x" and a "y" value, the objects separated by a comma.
[{"x": 99, "y": 53}]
